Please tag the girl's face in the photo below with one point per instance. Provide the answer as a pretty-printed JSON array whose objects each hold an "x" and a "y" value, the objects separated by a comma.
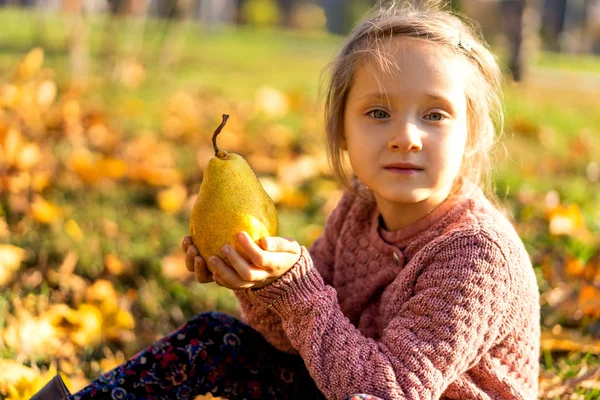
[{"x": 405, "y": 129}]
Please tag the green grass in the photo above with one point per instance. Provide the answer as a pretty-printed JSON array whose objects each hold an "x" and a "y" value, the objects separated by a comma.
[{"x": 569, "y": 62}]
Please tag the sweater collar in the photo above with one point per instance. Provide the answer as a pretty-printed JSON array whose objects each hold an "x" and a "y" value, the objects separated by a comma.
[{"x": 403, "y": 237}]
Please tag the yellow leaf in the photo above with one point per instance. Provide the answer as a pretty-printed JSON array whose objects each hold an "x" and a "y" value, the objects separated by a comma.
[
  {"x": 155, "y": 176},
  {"x": 574, "y": 267},
  {"x": 273, "y": 188},
  {"x": 569, "y": 340},
  {"x": 19, "y": 182},
  {"x": 28, "y": 157},
  {"x": 173, "y": 267},
  {"x": 272, "y": 102},
  {"x": 120, "y": 321},
  {"x": 294, "y": 198},
  {"x": 103, "y": 292},
  {"x": 74, "y": 230},
  {"x": 71, "y": 111},
  {"x": 44, "y": 211},
  {"x": 589, "y": 301},
  {"x": 113, "y": 168},
  {"x": 19, "y": 382},
  {"x": 46, "y": 94},
  {"x": 565, "y": 220},
  {"x": 171, "y": 200},
  {"x": 10, "y": 261},
  {"x": 111, "y": 362},
  {"x": 33, "y": 336},
  {"x": 85, "y": 164},
  {"x": 40, "y": 180},
  {"x": 123, "y": 320},
  {"x": 8, "y": 95},
  {"x": 102, "y": 138},
  {"x": 113, "y": 264},
  {"x": 56, "y": 314},
  {"x": 88, "y": 331},
  {"x": 12, "y": 145},
  {"x": 298, "y": 171},
  {"x": 31, "y": 64},
  {"x": 12, "y": 372},
  {"x": 4, "y": 231},
  {"x": 131, "y": 73}
]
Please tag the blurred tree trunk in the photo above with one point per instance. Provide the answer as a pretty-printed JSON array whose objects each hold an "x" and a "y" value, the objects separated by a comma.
[
  {"x": 342, "y": 14},
  {"x": 576, "y": 35},
  {"x": 239, "y": 17},
  {"x": 118, "y": 11},
  {"x": 77, "y": 40},
  {"x": 521, "y": 26},
  {"x": 216, "y": 12},
  {"x": 41, "y": 26},
  {"x": 110, "y": 36},
  {"x": 175, "y": 29},
  {"x": 286, "y": 7},
  {"x": 338, "y": 16}
]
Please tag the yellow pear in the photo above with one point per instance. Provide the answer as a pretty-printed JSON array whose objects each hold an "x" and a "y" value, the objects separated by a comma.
[{"x": 230, "y": 200}]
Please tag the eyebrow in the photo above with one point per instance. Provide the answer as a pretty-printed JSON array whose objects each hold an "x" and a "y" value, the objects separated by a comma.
[{"x": 436, "y": 97}]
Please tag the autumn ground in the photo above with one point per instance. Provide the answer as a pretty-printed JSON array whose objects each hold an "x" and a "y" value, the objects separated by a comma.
[{"x": 97, "y": 179}]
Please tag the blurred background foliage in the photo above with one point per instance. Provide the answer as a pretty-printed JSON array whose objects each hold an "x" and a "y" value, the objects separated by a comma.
[{"x": 106, "y": 117}]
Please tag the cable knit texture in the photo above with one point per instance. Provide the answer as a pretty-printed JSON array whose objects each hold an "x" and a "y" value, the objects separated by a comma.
[{"x": 445, "y": 308}]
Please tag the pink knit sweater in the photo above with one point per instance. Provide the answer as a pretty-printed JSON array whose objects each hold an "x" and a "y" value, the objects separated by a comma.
[{"x": 445, "y": 308}]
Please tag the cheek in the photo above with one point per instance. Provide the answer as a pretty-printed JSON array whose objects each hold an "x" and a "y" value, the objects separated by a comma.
[
  {"x": 456, "y": 152},
  {"x": 450, "y": 156}
]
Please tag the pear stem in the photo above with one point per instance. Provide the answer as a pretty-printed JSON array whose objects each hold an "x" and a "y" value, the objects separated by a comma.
[{"x": 217, "y": 131}]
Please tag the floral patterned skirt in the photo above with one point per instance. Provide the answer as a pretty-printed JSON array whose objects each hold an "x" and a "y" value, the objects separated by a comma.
[{"x": 212, "y": 353}]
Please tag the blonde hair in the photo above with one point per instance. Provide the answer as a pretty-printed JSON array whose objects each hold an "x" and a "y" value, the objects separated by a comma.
[{"x": 444, "y": 28}]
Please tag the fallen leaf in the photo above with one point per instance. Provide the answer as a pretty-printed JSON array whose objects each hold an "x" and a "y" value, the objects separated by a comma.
[
  {"x": 569, "y": 340},
  {"x": 73, "y": 230},
  {"x": 171, "y": 200},
  {"x": 31, "y": 64},
  {"x": 173, "y": 267},
  {"x": 10, "y": 261},
  {"x": 272, "y": 102}
]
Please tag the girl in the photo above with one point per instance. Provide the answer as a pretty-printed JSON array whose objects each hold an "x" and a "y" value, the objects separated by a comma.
[{"x": 418, "y": 288}]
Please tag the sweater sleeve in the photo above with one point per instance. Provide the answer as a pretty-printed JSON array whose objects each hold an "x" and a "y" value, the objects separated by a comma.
[
  {"x": 261, "y": 317},
  {"x": 453, "y": 317}
]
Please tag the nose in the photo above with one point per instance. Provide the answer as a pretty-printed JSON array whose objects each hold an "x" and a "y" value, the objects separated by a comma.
[{"x": 406, "y": 137}]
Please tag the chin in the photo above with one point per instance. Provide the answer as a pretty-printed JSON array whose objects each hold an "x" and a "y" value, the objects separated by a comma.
[{"x": 405, "y": 196}]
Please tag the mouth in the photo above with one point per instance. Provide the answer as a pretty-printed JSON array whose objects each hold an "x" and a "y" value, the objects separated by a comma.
[{"x": 403, "y": 168}]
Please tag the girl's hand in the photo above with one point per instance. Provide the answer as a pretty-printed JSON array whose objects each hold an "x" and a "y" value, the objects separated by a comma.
[
  {"x": 258, "y": 266},
  {"x": 194, "y": 263}
]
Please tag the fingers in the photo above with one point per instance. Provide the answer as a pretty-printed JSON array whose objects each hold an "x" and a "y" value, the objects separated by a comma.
[
  {"x": 280, "y": 245},
  {"x": 275, "y": 251},
  {"x": 245, "y": 271},
  {"x": 194, "y": 262},
  {"x": 226, "y": 276},
  {"x": 187, "y": 240},
  {"x": 201, "y": 272},
  {"x": 252, "y": 267},
  {"x": 190, "y": 254}
]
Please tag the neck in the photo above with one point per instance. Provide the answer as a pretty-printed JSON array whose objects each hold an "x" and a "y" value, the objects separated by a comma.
[{"x": 397, "y": 216}]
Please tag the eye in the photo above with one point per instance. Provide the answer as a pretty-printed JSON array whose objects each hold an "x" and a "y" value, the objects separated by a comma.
[
  {"x": 378, "y": 114},
  {"x": 434, "y": 116}
]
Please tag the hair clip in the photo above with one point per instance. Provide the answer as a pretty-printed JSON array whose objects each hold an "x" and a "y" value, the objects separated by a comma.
[{"x": 464, "y": 44}]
